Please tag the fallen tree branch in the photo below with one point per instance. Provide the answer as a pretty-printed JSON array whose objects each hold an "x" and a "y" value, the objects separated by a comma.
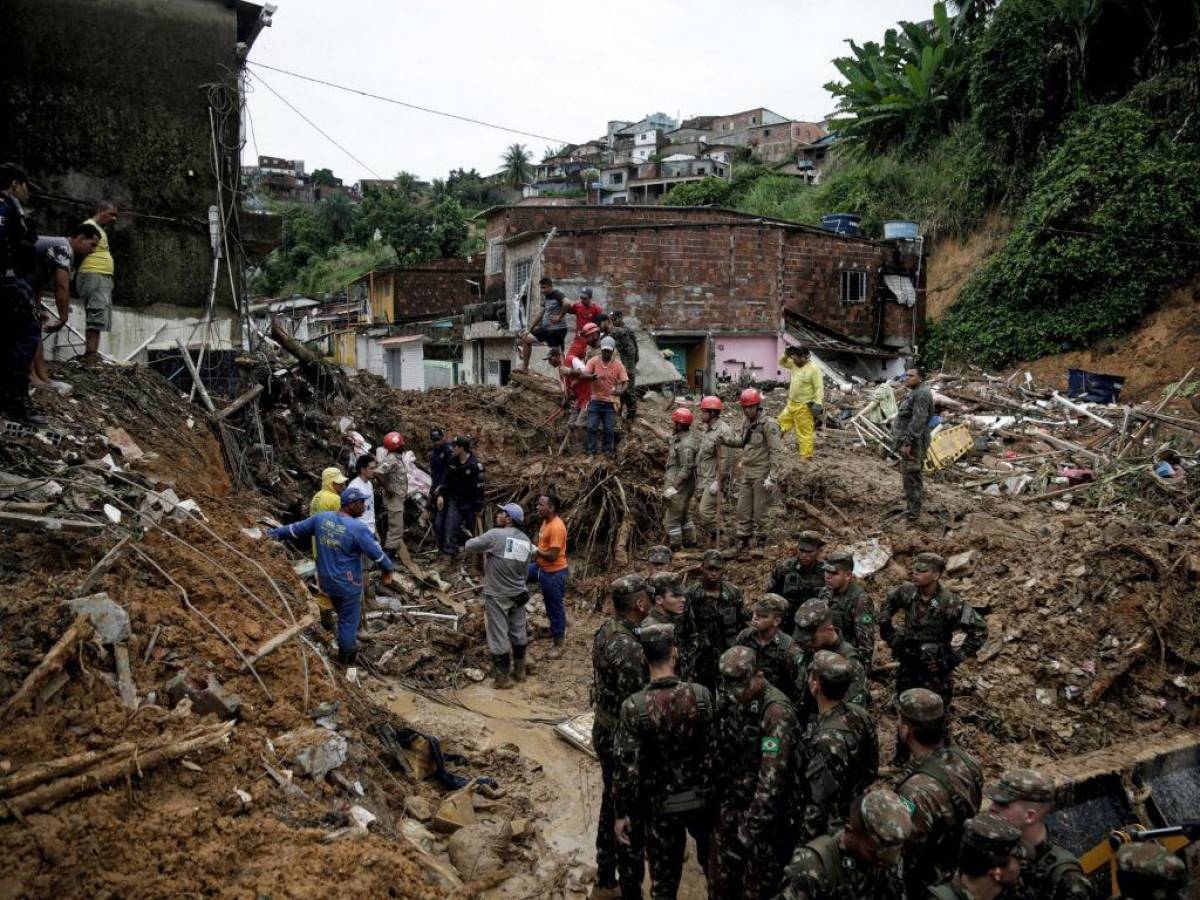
[
  {"x": 31, "y": 776},
  {"x": 280, "y": 639},
  {"x": 98, "y": 570},
  {"x": 56, "y": 657}
]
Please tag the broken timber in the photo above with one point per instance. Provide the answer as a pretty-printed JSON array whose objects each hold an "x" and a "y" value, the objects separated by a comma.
[
  {"x": 56, "y": 657},
  {"x": 279, "y": 640},
  {"x": 27, "y": 522}
]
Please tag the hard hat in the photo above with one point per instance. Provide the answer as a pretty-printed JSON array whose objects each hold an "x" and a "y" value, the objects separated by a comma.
[
  {"x": 750, "y": 397},
  {"x": 682, "y": 416},
  {"x": 712, "y": 402},
  {"x": 393, "y": 440},
  {"x": 589, "y": 328}
]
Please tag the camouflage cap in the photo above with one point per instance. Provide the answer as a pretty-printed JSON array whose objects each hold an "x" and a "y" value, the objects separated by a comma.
[
  {"x": 886, "y": 818},
  {"x": 628, "y": 584},
  {"x": 831, "y": 668},
  {"x": 770, "y": 604},
  {"x": 810, "y": 540},
  {"x": 1022, "y": 784},
  {"x": 1143, "y": 868},
  {"x": 659, "y": 555},
  {"x": 812, "y": 615},
  {"x": 738, "y": 663},
  {"x": 921, "y": 707},
  {"x": 926, "y": 562},
  {"x": 658, "y": 638},
  {"x": 714, "y": 558},
  {"x": 992, "y": 837},
  {"x": 662, "y": 582},
  {"x": 840, "y": 559}
]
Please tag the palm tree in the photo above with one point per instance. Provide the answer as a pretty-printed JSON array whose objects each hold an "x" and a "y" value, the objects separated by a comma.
[
  {"x": 406, "y": 185},
  {"x": 516, "y": 166}
]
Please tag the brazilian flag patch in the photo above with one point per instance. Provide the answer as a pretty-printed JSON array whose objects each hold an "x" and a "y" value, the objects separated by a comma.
[
  {"x": 770, "y": 746},
  {"x": 912, "y": 807}
]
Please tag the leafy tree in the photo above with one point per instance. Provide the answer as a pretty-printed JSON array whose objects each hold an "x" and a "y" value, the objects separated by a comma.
[
  {"x": 324, "y": 178},
  {"x": 706, "y": 192},
  {"x": 336, "y": 215},
  {"x": 517, "y": 171},
  {"x": 405, "y": 184}
]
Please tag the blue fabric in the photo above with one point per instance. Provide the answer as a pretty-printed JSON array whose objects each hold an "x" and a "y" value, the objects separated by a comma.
[
  {"x": 348, "y": 610},
  {"x": 439, "y": 458},
  {"x": 449, "y": 524},
  {"x": 341, "y": 542},
  {"x": 20, "y": 331},
  {"x": 601, "y": 418},
  {"x": 554, "y": 590}
]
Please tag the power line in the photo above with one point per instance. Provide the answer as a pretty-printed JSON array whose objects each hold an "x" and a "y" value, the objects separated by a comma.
[
  {"x": 324, "y": 133},
  {"x": 426, "y": 109}
]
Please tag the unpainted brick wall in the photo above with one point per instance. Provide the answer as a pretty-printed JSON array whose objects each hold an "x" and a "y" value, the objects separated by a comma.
[{"x": 436, "y": 288}]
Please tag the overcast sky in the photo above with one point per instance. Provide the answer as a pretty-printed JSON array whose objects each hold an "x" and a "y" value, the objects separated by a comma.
[{"x": 559, "y": 70}]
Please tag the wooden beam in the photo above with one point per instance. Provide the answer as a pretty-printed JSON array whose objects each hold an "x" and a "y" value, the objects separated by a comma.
[
  {"x": 27, "y": 522},
  {"x": 196, "y": 380},
  {"x": 56, "y": 657},
  {"x": 241, "y": 401},
  {"x": 280, "y": 639},
  {"x": 101, "y": 567}
]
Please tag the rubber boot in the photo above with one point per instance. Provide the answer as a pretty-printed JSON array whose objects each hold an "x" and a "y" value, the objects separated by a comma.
[
  {"x": 556, "y": 649},
  {"x": 518, "y": 662},
  {"x": 329, "y": 620},
  {"x": 743, "y": 543},
  {"x": 500, "y": 671},
  {"x": 347, "y": 656}
]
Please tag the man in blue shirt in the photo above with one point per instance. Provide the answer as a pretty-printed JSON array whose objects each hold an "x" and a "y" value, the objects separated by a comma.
[
  {"x": 341, "y": 540},
  {"x": 439, "y": 458}
]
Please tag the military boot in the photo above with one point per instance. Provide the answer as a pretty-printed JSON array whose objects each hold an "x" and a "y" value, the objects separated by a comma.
[
  {"x": 500, "y": 671},
  {"x": 347, "y": 657},
  {"x": 518, "y": 662},
  {"x": 329, "y": 620}
]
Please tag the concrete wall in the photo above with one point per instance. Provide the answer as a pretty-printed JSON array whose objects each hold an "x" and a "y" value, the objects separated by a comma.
[
  {"x": 133, "y": 327},
  {"x": 436, "y": 288},
  {"x": 103, "y": 99},
  {"x": 757, "y": 353}
]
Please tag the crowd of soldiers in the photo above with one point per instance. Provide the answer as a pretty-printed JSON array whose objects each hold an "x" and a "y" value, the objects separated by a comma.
[{"x": 748, "y": 726}]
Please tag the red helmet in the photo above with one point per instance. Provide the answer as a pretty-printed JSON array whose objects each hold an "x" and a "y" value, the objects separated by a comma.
[
  {"x": 393, "y": 441},
  {"x": 589, "y": 328},
  {"x": 750, "y": 397},
  {"x": 682, "y": 416},
  {"x": 712, "y": 402}
]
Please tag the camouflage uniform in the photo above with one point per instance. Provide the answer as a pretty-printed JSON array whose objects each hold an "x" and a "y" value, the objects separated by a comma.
[
  {"x": 663, "y": 773},
  {"x": 824, "y": 869},
  {"x": 755, "y": 751},
  {"x": 719, "y": 616},
  {"x": 811, "y": 616},
  {"x": 618, "y": 670},
  {"x": 627, "y": 349},
  {"x": 1151, "y": 872},
  {"x": 780, "y": 660},
  {"x": 687, "y": 638},
  {"x": 677, "y": 511},
  {"x": 853, "y": 611},
  {"x": 712, "y": 442},
  {"x": 922, "y": 647},
  {"x": 797, "y": 583},
  {"x": 839, "y": 757},
  {"x": 911, "y": 427},
  {"x": 989, "y": 838},
  {"x": 762, "y": 449},
  {"x": 945, "y": 787}
]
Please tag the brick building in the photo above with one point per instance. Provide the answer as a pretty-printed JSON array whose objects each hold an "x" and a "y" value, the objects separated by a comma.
[{"x": 713, "y": 285}]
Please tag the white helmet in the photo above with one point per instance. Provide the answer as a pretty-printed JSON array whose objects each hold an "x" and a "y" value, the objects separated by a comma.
[{"x": 608, "y": 343}]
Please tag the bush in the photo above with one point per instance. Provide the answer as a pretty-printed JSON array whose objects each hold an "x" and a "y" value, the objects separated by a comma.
[
  {"x": 1103, "y": 235},
  {"x": 708, "y": 192}
]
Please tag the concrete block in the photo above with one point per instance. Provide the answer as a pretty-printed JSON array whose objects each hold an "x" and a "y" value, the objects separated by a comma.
[{"x": 110, "y": 620}]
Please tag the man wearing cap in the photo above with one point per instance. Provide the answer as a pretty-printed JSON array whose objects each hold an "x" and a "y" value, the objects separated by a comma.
[
  {"x": 817, "y": 631},
  {"x": 393, "y": 475},
  {"x": 627, "y": 349},
  {"x": 609, "y": 380},
  {"x": 989, "y": 862},
  {"x": 775, "y": 655},
  {"x": 439, "y": 458},
  {"x": 585, "y": 312},
  {"x": 839, "y": 756},
  {"x": 507, "y": 552},
  {"x": 618, "y": 671},
  {"x": 932, "y": 616},
  {"x": 853, "y": 611},
  {"x": 679, "y": 482},
  {"x": 719, "y": 613},
  {"x": 459, "y": 497},
  {"x": 671, "y": 608},
  {"x": 800, "y": 578},
  {"x": 861, "y": 862},
  {"x": 663, "y": 774},
  {"x": 1151, "y": 872},
  {"x": 547, "y": 325},
  {"x": 943, "y": 784},
  {"x": 327, "y": 499},
  {"x": 659, "y": 560},
  {"x": 910, "y": 438},
  {"x": 762, "y": 450},
  {"x": 20, "y": 317},
  {"x": 756, "y": 736},
  {"x": 714, "y": 464},
  {"x": 342, "y": 541},
  {"x": 1024, "y": 798},
  {"x": 806, "y": 394}
]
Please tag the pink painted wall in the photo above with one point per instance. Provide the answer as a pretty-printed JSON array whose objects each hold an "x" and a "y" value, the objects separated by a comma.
[{"x": 760, "y": 352}]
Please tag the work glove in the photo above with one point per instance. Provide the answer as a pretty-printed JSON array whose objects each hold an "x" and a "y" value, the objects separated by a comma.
[
  {"x": 769, "y": 482},
  {"x": 714, "y": 487},
  {"x": 669, "y": 493},
  {"x": 817, "y": 410}
]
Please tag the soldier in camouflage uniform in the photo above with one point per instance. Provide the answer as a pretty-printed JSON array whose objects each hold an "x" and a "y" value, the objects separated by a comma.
[
  {"x": 777, "y": 657},
  {"x": 663, "y": 767},
  {"x": 854, "y": 613},
  {"x": 627, "y": 347},
  {"x": 989, "y": 861},
  {"x": 671, "y": 608},
  {"x": 679, "y": 482},
  {"x": 1024, "y": 798},
  {"x": 754, "y": 752},
  {"x": 816, "y": 630},
  {"x": 799, "y": 578},
  {"x": 862, "y": 862},
  {"x": 716, "y": 607},
  {"x": 910, "y": 439},
  {"x": 1150, "y": 872},
  {"x": 943, "y": 784},
  {"x": 932, "y": 616},
  {"x": 658, "y": 560},
  {"x": 618, "y": 671},
  {"x": 714, "y": 464},
  {"x": 839, "y": 757}
]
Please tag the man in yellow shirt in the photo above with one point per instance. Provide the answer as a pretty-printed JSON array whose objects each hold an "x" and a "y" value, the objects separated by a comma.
[
  {"x": 806, "y": 393},
  {"x": 95, "y": 283}
]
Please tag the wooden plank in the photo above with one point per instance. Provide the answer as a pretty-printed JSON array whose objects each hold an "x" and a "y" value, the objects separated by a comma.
[
  {"x": 98, "y": 570},
  {"x": 28, "y": 522},
  {"x": 241, "y": 401},
  {"x": 56, "y": 657},
  {"x": 280, "y": 639}
]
